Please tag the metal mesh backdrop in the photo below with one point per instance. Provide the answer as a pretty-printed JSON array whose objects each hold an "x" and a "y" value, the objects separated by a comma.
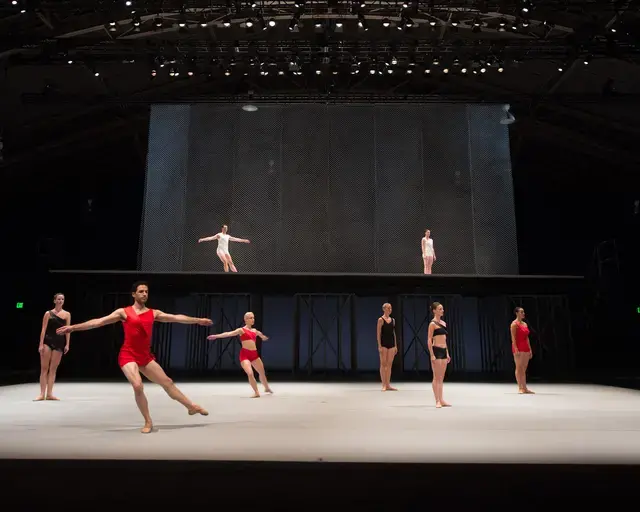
[{"x": 330, "y": 188}]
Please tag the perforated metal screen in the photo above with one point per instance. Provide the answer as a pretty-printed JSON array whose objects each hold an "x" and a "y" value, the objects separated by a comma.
[{"x": 330, "y": 188}]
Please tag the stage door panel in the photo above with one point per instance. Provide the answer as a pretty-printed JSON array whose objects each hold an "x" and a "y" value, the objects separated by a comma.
[
  {"x": 368, "y": 310},
  {"x": 325, "y": 332},
  {"x": 210, "y": 185},
  {"x": 447, "y": 188},
  {"x": 351, "y": 181},
  {"x": 166, "y": 185},
  {"x": 277, "y": 351},
  {"x": 401, "y": 216},
  {"x": 496, "y": 248}
]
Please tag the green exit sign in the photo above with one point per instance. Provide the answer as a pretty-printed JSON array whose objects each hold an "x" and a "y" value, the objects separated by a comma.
[{"x": 20, "y": 305}]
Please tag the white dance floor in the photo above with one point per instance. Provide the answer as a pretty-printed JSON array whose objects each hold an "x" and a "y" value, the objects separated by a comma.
[{"x": 488, "y": 423}]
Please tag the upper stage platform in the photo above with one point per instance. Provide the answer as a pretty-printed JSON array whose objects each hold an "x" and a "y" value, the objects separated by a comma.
[{"x": 287, "y": 283}]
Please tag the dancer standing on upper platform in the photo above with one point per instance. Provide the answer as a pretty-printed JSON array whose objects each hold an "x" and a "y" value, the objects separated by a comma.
[
  {"x": 249, "y": 357},
  {"x": 437, "y": 344},
  {"x": 52, "y": 346},
  {"x": 223, "y": 247},
  {"x": 521, "y": 349},
  {"x": 428, "y": 252},
  {"x": 135, "y": 355},
  {"x": 387, "y": 345}
]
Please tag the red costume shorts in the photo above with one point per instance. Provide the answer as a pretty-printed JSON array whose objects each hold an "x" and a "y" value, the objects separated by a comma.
[
  {"x": 248, "y": 355},
  {"x": 522, "y": 347},
  {"x": 128, "y": 356}
]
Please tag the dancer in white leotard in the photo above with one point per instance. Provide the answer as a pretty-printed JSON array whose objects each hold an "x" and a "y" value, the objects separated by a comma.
[
  {"x": 223, "y": 247},
  {"x": 428, "y": 252}
]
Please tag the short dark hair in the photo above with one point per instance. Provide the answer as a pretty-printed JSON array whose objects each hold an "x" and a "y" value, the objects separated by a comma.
[{"x": 134, "y": 288}]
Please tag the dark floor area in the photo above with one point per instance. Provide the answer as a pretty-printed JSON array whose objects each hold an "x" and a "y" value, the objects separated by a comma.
[{"x": 299, "y": 486}]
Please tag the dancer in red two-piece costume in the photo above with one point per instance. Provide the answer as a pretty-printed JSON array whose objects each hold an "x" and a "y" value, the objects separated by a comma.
[
  {"x": 135, "y": 355},
  {"x": 249, "y": 357}
]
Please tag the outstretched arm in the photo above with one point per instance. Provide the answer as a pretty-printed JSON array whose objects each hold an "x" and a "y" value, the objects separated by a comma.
[
  {"x": 209, "y": 238},
  {"x": 167, "y": 318},
  {"x": 262, "y": 336},
  {"x": 117, "y": 316},
  {"x": 229, "y": 334},
  {"x": 241, "y": 240}
]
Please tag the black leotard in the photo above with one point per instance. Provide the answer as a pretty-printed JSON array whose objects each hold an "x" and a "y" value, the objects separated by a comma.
[
  {"x": 51, "y": 339},
  {"x": 387, "y": 338}
]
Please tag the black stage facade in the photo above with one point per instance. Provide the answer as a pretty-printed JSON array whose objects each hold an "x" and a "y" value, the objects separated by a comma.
[{"x": 324, "y": 324}]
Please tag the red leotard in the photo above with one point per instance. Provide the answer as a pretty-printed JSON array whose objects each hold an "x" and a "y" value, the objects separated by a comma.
[
  {"x": 522, "y": 338},
  {"x": 247, "y": 354},
  {"x": 137, "y": 338}
]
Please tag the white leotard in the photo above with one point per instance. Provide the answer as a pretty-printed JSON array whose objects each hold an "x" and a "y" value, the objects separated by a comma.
[
  {"x": 223, "y": 243},
  {"x": 428, "y": 250}
]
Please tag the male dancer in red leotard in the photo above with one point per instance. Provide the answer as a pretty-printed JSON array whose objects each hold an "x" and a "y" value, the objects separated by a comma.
[{"x": 135, "y": 355}]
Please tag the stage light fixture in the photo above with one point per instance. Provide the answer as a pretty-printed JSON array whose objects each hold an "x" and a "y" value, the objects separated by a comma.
[{"x": 386, "y": 23}]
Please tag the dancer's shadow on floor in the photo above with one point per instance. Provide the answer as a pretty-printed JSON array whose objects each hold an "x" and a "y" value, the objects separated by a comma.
[
  {"x": 157, "y": 428},
  {"x": 180, "y": 427}
]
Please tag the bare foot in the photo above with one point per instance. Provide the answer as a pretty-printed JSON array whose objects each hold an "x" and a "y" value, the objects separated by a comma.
[
  {"x": 391, "y": 388},
  {"x": 233, "y": 268},
  {"x": 438, "y": 405},
  {"x": 445, "y": 404},
  {"x": 268, "y": 390},
  {"x": 527, "y": 391},
  {"x": 257, "y": 395},
  {"x": 147, "y": 429},
  {"x": 39, "y": 398},
  {"x": 196, "y": 409},
  {"x": 522, "y": 391},
  {"x": 51, "y": 397}
]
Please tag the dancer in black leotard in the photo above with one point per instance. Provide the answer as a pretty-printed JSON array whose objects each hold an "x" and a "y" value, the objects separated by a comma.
[
  {"x": 52, "y": 346},
  {"x": 437, "y": 344},
  {"x": 387, "y": 346}
]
